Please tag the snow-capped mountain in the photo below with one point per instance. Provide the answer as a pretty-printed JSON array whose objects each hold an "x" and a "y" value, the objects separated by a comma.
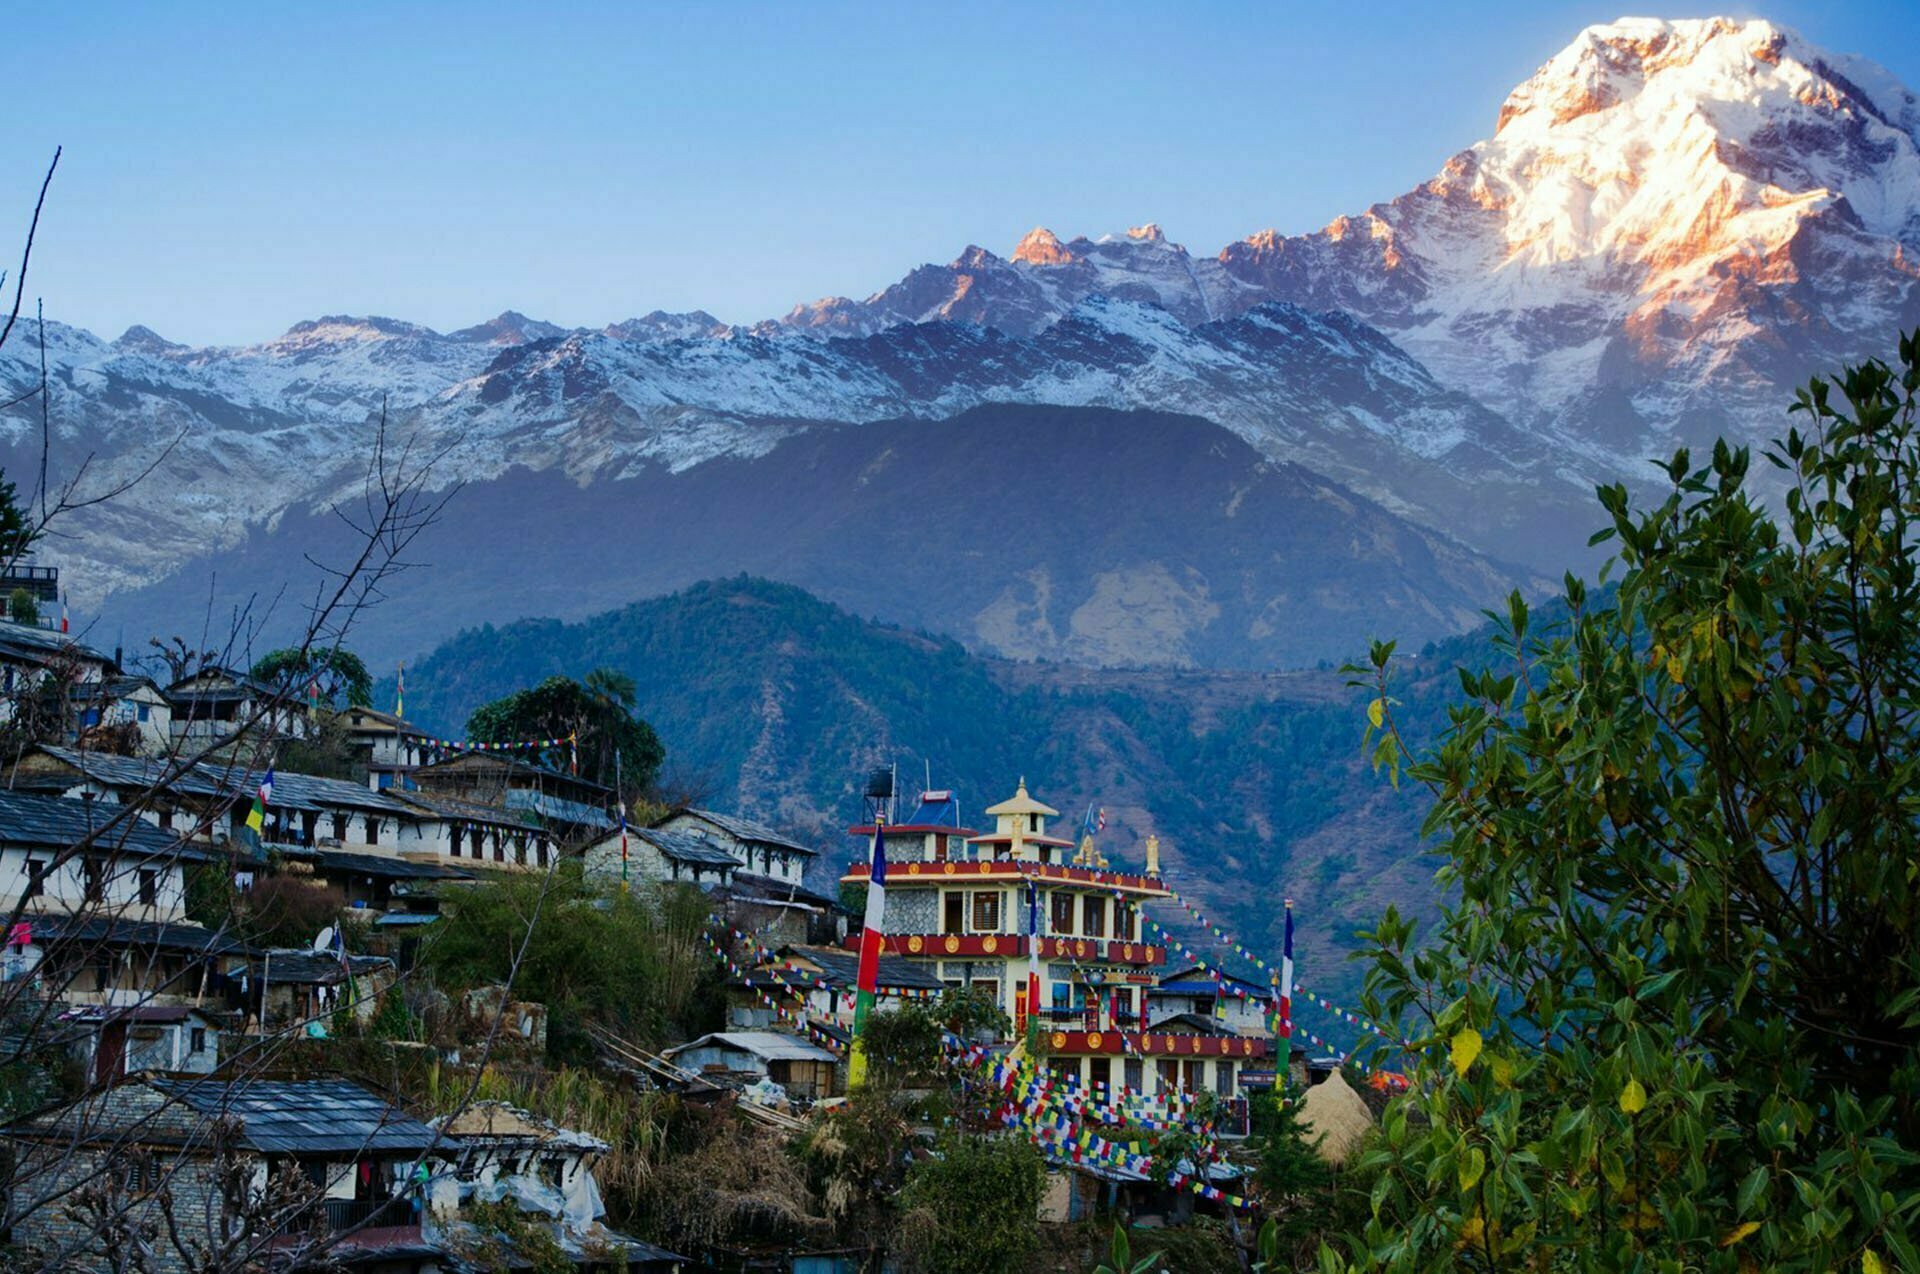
[
  {"x": 285, "y": 425},
  {"x": 1672, "y": 222}
]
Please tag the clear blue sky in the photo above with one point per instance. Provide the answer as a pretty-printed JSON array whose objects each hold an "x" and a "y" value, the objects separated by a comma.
[{"x": 231, "y": 170}]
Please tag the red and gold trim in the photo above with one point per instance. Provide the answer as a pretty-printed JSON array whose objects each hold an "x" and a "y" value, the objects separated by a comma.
[
  {"x": 990, "y": 872},
  {"x": 1003, "y": 945},
  {"x": 1159, "y": 1044}
]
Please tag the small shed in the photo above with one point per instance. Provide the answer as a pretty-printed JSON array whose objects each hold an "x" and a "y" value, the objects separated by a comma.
[{"x": 804, "y": 1069}]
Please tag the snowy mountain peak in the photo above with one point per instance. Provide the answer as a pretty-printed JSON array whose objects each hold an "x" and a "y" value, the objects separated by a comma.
[
  {"x": 510, "y": 327},
  {"x": 1042, "y": 247},
  {"x": 1149, "y": 233},
  {"x": 145, "y": 340}
]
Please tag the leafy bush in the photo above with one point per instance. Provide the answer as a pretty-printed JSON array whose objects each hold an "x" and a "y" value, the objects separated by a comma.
[
  {"x": 1675, "y": 1016},
  {"x": 972, "y": 1206}
]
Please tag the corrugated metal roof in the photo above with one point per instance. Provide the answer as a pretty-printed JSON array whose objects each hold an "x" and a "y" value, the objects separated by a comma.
[
  {"x": 305, "y": 1116},
  {"x": 770, "y": 1046}
]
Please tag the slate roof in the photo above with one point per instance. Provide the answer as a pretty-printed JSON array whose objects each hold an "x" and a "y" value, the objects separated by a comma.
[
  {"x": 748, "y": 830},
  {"x": 1194, "y": 1023},
  {"x": 291, "y": 791},
  {"x": 147, "y": 935},
  {"x": 378, "y": 866},
  {"x": 752, "y": 885},
  {"x": 513, "y": 764},
  {"x": 842, "y": 969},
  {"x": 109, "y": 688},
  {"x": 59, "y": 823},
  {"x": 311, "y": 968},
  {"x": 449, "y": 807},
  {"x": 306, "y": 1116},
  {"x": 34, "y": 642},
  {"x": 556, "y": 807},
  {"x": 685, "y": 847}
]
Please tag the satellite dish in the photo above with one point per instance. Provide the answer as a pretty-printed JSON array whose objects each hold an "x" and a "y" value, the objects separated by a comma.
[{"x": 325, "y": 941}]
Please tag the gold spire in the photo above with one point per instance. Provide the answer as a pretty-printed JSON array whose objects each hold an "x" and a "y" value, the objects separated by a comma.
[{"x": 1153, "y": 855}]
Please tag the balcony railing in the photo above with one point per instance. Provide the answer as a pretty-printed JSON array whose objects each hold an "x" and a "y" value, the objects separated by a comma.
[{"x": 337, "y": 1216}]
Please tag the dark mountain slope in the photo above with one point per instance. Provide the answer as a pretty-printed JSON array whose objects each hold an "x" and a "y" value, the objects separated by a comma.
[{"x": 1081, "y": 534}]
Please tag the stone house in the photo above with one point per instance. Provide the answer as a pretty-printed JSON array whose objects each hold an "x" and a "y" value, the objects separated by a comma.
[{"x": 293, "y": 1168}]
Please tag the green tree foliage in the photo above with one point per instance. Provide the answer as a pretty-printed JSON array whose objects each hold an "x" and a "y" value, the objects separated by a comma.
[
  {"x": 1120, "y": 1257},
  {"x": 1676, "y": 1013},
  {"x": 599, "y": 711},
  {"x": 331, "y": 673},
  {"x": 17, "y": 532},
  {"x": 972, "y": 1206},
  {"x": 633, "y": 963},
  {"x": 22, "y": 608}
]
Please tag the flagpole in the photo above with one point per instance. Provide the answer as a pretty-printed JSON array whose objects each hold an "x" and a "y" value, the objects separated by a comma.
[
  {"x": 1285, "y": 1024},
  {"x": 872, "y": 938}
]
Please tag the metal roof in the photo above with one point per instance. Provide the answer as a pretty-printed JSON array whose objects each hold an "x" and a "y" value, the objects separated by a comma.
[
  {"x": 306, "y": 1116},
  {"x": 449, "y": 807},
  {"x": 768, "y": 1046},
  {"x": 747, "y": 829},
  {"x": 685, "y": 847},
  {"x": 59, "y": 823}
]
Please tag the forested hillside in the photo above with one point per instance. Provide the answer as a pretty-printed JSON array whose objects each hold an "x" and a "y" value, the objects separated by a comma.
[{"x": 773, "y": 702}]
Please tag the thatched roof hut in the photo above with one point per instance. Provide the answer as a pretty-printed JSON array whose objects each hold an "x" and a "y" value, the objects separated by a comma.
[{"x": 1332, "y": 1111}]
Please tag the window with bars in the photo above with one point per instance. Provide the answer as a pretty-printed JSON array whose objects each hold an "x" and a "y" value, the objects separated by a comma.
[
  {"x": 986, "y": 912},
  {"x": 1061, "y": 921},
  {"x": 1094, "y": 913}
]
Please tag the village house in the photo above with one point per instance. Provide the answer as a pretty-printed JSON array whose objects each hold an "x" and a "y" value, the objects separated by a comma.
[
  {"x": 387, "y": 746},
  {"x": 101, "y": 910},
  {"x": 121, "y": 702},
  {"x": 491, "y": 834},
  {"x": 1237, "y": 1004},
  {"x": 820, "y": 982},
  {"x": 348, "y": 1164},
  {"x": 570, "y": 810},
  {"x": 510, "y": 1155},
  {"x": 803, "y": 1069},
  {"x": 112, "y": 1041},
  {"x": 655, "y": 855},
  {"x": 215, "y": 705},
  {"x": 304, "y": 987}
]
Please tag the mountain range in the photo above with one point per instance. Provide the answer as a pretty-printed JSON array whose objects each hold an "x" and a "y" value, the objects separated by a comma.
[{"x": 1671, "y": 223}]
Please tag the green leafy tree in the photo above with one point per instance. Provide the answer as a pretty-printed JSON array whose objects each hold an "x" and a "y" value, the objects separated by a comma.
[
  {"x": 1675, "y": 1015},
  {"x": 21, "y": 606},
  {"x": 633, "y": 963},
  {"x": 333, "y": 673},
  {"x": 599, "y": 712},
  {"x": 17, "y": 531},
  {"x": 972, "y": 1206}
]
